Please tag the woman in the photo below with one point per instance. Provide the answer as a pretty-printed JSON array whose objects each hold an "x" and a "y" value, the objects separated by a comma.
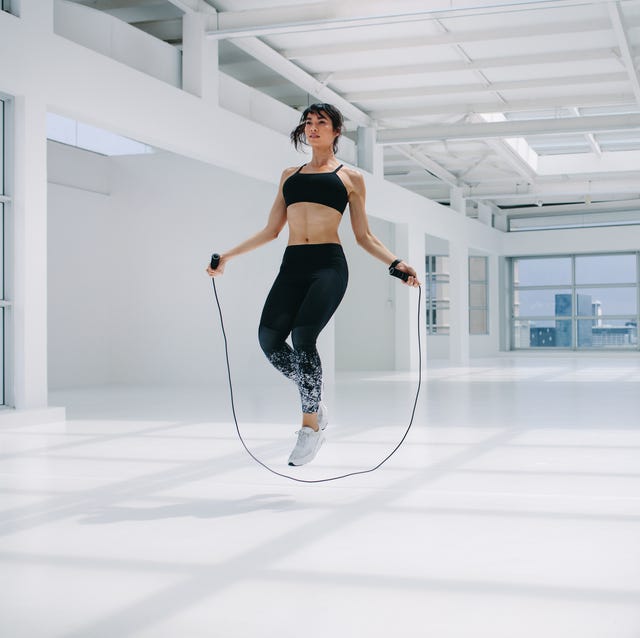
[{"x": 313, "y": 277}]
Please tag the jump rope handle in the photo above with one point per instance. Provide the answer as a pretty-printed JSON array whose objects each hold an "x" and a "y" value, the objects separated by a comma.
[
  {"x": 400, "y": 274},
  {"x": 215, "y": 261}
]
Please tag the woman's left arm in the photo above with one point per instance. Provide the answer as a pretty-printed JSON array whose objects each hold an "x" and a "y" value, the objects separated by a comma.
[{"x": 365, "y": 238}]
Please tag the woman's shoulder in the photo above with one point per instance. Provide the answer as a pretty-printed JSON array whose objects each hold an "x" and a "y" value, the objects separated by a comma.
[
  {"x": 353, "y": 177},
  {"x": 288, "y": 172}
]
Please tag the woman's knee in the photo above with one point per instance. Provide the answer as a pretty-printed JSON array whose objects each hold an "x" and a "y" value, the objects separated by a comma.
[
  {"x": 304, "y": 339},
  {"x": 270, "y": 340}
]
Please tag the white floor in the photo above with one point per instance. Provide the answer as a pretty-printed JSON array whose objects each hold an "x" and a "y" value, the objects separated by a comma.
[{"x": 512, "y": 510}]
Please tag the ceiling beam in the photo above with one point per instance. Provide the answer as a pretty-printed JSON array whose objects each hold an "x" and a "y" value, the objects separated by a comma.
[
  {"x": 513, "y": 158},
  {"x": 587, "y": 164},
  {"x": 594, "y": 207},
  {"x": 511, "y": 128},
  {"x": 575, "y": 188},
  {"x": 167, "y": 30},
  {"x": 427, "y": 163},
  {"x": 550, "y": 57},
  {"x": 272, "y": 59},
  {"x": 529, "y": 104},
  {"x": 111, "y": 5},
  {"x": 595, "y": 147},
  {"x": 461, "y": 37},
  {"x": 193, "y": 6},
  {"x": 617, "y": 21},
  {"x": 479, "y": 87},
  {"x": 337, "y": 14}
]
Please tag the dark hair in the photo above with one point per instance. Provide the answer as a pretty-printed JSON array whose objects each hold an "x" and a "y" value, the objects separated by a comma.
[{"x": 297, "y": 135}]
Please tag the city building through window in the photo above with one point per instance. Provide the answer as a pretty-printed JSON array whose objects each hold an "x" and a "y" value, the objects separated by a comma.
[{"x": 576, "y": 301}]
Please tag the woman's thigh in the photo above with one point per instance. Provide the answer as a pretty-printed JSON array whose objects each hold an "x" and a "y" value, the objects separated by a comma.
[
  {"x": 283, "y": 303},
  {"x": 323, "y": 296}
]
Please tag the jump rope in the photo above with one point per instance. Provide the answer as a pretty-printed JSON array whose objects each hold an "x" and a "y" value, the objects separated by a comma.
[{"x": 394, "y": 272}]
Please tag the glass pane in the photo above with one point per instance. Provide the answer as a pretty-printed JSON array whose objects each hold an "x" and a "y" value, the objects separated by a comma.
[
  {"x": 1, "y": 254},
  {"x": 478, "y": 295},
  {"x": 607, "y": 301},
  {"x": 542, "y": 272},
  {"x": 606, "y": 269},
  {"x": 2, "y": 148},
  {"x": 441, "y": 319},
  {"x": 607, "y": 333},
  {"x": 542, "y": 303},
  {"x": 478, "y": 322},
  {"x": 477, "y": 269},
  {"x": 442, "y": 265},
  {"x": 542, "y": 334},
  {"x": 438, "y": 291}
]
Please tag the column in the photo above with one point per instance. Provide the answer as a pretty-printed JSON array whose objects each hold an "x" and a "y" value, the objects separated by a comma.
[
  {"x": 27, "y": 256},
  {"x": 410, "y": 246},
  {"x": 485, "y": 214},
  {"x": 457, "y": 199},
  {"x": 199, "y": 57},
  {"x": 370, "y": 155}
]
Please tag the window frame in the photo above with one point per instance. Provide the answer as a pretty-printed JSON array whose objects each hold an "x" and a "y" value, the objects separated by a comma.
[
  {"x": 433, "y": 277},
  {"x": 575, "y": 318},
  {"x": 6, "y": 306}
]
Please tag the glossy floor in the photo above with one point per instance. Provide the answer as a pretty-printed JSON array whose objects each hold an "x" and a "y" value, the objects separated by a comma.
[{"x": 512, "y": 510}]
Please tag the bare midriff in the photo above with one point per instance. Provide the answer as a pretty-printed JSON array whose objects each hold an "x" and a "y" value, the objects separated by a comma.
[{"x": 311, "y": 223}]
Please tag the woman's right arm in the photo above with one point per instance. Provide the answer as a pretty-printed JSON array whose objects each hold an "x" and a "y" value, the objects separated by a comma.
[{"x": 275, "y": 223}]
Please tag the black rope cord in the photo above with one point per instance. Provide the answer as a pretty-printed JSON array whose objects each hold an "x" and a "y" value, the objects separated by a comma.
[{"x": 331, "y": 478}]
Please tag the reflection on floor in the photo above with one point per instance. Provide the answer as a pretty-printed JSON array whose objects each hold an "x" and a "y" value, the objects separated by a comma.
[{"x": 512, "y": 510}]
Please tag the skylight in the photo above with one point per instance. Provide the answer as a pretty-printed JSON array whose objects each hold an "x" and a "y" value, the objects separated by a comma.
[{"x": 74, "y": 133}]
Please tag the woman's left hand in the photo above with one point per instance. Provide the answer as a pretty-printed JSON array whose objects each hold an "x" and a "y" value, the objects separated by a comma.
[{"x": 413, "y": 275}]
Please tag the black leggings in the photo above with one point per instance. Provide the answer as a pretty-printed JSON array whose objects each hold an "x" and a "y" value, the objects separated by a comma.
[{"x": 308, "y": 289}]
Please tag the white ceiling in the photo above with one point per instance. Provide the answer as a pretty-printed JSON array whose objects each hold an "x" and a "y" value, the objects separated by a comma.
[{"x": 530, "y": 107}]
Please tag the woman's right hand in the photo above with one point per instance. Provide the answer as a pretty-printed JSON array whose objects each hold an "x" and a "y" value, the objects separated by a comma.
[{"x": 220, "y": 269}]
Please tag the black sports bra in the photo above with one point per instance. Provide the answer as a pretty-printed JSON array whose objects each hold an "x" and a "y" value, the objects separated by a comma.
[{"x": 317, "y": 188}]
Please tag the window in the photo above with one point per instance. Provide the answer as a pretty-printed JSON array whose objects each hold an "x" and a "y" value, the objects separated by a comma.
[
  {"x": 581, "y": 302},
  {"x": 4, "y": 202},
  {"x": 478, "y": 296},
  {"x": 437, "y": 295},
  {"x": 74, "y": 133}
]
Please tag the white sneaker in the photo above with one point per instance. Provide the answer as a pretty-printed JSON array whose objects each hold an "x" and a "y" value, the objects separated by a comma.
[
  {"x": 307, "y": 446},
  {"x": 323, "y": 415}
]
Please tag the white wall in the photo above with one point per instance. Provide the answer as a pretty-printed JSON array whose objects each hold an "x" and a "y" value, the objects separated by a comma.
[
  {"x": 365, "y": 321},
  {"x": 130, "y": 301},
  {"x": 81, "y": 286},
  {"x": 172, "y": 214}
]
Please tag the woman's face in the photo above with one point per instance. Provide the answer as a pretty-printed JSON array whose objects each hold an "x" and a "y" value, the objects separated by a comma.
[{"x": 319, "y": 130}]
